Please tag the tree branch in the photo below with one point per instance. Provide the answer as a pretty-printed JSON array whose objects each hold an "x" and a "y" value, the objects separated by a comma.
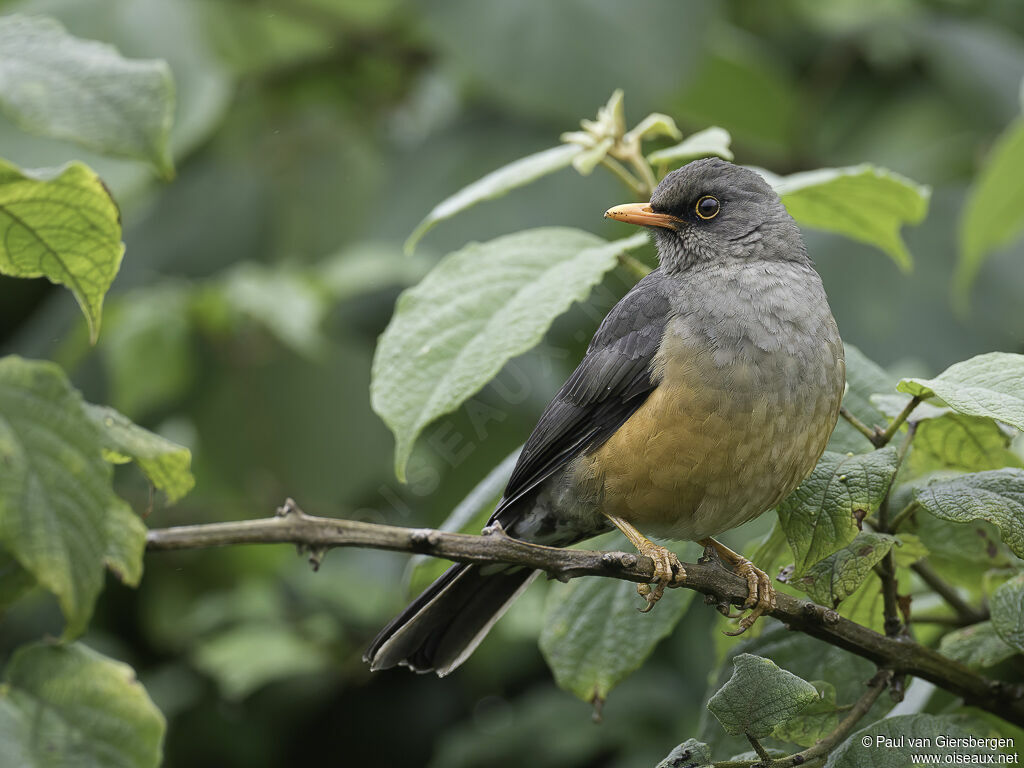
[{"x": 318, "y": 534}]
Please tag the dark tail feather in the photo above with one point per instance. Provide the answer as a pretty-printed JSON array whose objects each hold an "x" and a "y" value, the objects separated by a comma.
[{"x": 445, "y": 624}]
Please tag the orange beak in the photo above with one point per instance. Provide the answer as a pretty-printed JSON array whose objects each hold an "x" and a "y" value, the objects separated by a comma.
[{"x": 642, "y": 215}]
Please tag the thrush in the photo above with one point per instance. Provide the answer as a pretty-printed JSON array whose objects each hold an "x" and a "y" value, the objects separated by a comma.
[{"x": 706, "y": 396}]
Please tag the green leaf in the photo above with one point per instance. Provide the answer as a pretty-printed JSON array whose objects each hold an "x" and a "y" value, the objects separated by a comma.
[
  {"x": 164, "y": 463},
  {"x": 759, "y": 697},
  {"x": 821, "y": 515},
  {"x": 977, "y": 646},
  {"x": 908, "y": 550},
  {"x": 815, "y": 721},
  {"x": 495, "y": 184},
  {"x": 996, "y": 496},
  {"x": 70, "y": 707},
  {"x": 895, "y": 740},
  {"x": 55, "y": 490},
  {"x": 478, "y": 308},
  {"x": 993, "y": 214},
  {"x": 960, "y": 443},
  {"x": 1008, "y": 612},
  {"x": 57, "y": 85},
  {"x": 690, "y": 754},
  {"x": 711, "y": 142},
  {"x": 594, "y": 636},
  {"x": 839, "y": 575},
  {"x": 865, "y": 606},
  {"x": 15, "y": 581},
  {"x": 864, "y": 378},
  {"x": 61, "y": 224},
  {"x": 126, "y": 544},
  {"x": 987, "y": 385},
  {"x": 862, "y": 202},
  {"x": 247, "y": 657}
]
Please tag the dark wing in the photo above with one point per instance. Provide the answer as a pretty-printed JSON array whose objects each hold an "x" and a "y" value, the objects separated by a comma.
[{"x": 611, "y": 382}]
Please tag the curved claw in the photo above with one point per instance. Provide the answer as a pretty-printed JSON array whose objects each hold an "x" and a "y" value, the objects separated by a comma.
[
  {"x": 760, "y": 594},
  {"x": 668, "y": 570}
]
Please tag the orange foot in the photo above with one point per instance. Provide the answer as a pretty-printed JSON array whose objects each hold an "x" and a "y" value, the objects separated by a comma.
[{"x": 760, "y": 593}]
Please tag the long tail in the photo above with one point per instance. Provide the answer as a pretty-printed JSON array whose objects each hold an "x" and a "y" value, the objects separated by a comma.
[{"x": 445, "y": 624}]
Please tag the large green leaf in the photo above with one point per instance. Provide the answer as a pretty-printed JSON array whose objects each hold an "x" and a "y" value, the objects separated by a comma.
[
  {"x": 864, "y": 378},
  {"x": 55, "y": 490},
  {"x": 759, "y": 697},
  {"x": 15, "y": 581},
  {"x": 478, "y": 308},
  {"x": 960, "y": 443},
  {"x": 820, "y": 516},
  {"x": 70, "y": 707},
  {"x": 862, "y": 202},
  {"x": 839, "y": 575},
  {"x": 57, "y": 85},
  {"x": 987, "y": 385},
  {"x": 978, "y": 645},
  {"x": 63, "y": 225},
  {"x": 594, "y": 636},
  {"x": 166, "y": 464},
  {"x": 1008, "y": 612},
  {"x": 495, "y": 184},
  {"x": 996, "y": 496},
  {"x": 993, "y": 214},
  {"x": 890, "y": 743}
]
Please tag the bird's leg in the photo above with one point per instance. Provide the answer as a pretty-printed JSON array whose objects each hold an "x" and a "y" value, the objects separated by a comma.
[
  {"x": 667, "y": 568},
  {"x": 760, "y": 593}
]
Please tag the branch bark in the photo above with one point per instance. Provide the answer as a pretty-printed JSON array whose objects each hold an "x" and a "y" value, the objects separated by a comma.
[{"x": 318, "y": 534}]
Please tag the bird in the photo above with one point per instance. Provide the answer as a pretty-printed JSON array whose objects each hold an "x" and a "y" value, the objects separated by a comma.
[{"x": 707, "y": 394}]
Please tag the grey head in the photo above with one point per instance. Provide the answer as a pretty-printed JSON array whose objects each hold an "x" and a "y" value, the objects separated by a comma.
[{"x": 711, "y": 210}]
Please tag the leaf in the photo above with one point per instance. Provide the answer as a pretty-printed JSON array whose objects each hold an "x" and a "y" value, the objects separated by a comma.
[
  {"x": 987, "y": 385},
  {"x": 495, "y": 184},
  {"x": 864, "y": 378},
  {"x": 126, "y": 544},
  {"x": 477, "y": 309},
  {"x": 55, "y": 490},
  {"x": 888, "y": 750},
  {"x": 57, "y": 85},
  {"x": 977, "y": 646},
  {"x": 839, "y": 575},
  {"x": 164, "y": 463},
  {"x": 820, "y": 515},
  {"x": 469, "y": 516},
  {"x": 1008, "y": 612},
  {"x": 960, "y": 443},
  {"x": 15, "y": 581},
  {"x": 61, "y": 224},
  {"x": 815, "y": 721},
  {"x": 996, "y": 496},
  {"x": 862, "y": 202},
  {"x": 908, "y": 550},
  {"x": 690, "y": 754},
  {"x": 247, "y": 657},
  {"x": 594, "y": 636},
  {"x": 70, "y": 707},
  {"x": 759, "y": 697},
  {"x": 711, "y": 142},
  {"x": 993, "y": 214}
]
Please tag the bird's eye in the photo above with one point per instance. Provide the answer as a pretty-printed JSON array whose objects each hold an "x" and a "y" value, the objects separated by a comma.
[{"x": 708, "y": 207}]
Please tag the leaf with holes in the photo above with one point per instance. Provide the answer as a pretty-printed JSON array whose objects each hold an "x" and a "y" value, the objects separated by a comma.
[
  {"x": 996, "y": 496},
  {"x": 821, "y": 515},
  {"x": 760, "y": 697},
  {"x": 987, "y": 385},
  {"x": 68, "y": 705},
  {"x": 57, "y": 85},
  {"x": 839, "y": 575},
  {"x": 62, "y": 225},
  {"x": 479, "y": 307},
  {"x": 862, "y": 202}
]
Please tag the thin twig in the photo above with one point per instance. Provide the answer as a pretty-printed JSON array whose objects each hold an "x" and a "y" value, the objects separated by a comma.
[
  {"x": 634, "y": 265},
  {"x": 636, "y": 186},
  {"x": 318, "y": 533},
  {"x": 868, "y": 432},
  {"x": 902, "y": 515},
  {"x": 966, "y": 613},
  {"x": 880, "y": 437}
]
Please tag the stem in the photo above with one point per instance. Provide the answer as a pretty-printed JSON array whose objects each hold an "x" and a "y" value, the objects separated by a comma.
[
  {"x": 878, "y": 437},
  {"x": 903, "y": 656},
  {"x": 631, "y": 181},
  {"x": 766, "y": 759},
  {"x": 860, "y": 426},
  {"x": 634, "y": 265},
  {"x": 902, "y": 515},
  {"x": 966, "y": 613}
]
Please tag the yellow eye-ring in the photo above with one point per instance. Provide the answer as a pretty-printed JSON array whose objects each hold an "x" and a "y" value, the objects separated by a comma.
[{"x": 708, "y": 207}]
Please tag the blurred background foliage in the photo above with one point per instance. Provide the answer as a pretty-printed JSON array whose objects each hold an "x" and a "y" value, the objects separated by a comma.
[{"x": 310, "y": 138}]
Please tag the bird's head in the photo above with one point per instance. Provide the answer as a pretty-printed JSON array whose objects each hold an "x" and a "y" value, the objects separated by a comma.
[{"x": 710, "y": 211}]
